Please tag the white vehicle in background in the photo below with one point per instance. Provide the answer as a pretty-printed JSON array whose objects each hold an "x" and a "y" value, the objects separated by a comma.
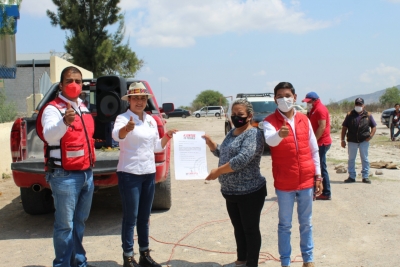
[
  {"x": 207, "y": 111},
  {"x": 300, "y": 109},
  {"x": 263, "y": 105}
]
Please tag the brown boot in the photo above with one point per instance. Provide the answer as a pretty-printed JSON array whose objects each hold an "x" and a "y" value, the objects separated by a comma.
[
  {"x": 145, "y": 260},
  {"x": 308, "y": 264},
  {"x": 130, "y": 261}
]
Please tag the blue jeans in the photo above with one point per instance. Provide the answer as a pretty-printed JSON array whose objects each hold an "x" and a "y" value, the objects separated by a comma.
[
  {"x": 392, "y": 127},
  {"x": 72, "y": 193},
  {"x": 286, "y": 201},
  {"x": 352, "y": 150},
  {"x": 137, "y": 194},
  {"x": 324, "y": 169}
]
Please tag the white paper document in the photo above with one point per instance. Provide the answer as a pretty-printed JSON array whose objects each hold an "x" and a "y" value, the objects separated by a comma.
[{"x": 190, "y": 155}]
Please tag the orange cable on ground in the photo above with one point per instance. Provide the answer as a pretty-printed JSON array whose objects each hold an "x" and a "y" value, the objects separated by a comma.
[{"x": 264, "y": 256}]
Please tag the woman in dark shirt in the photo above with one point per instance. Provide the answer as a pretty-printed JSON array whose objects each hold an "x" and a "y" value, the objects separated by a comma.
[{"x": 242, "y": 185}]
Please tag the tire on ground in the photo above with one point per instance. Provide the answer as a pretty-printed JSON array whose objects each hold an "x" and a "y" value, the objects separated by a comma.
[
  {"x": 36, "y": 203},
  {"x": 162, "y": 196}
]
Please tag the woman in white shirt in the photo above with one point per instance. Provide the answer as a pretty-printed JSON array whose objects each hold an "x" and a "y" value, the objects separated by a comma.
[{"x": 137, "y": 134}]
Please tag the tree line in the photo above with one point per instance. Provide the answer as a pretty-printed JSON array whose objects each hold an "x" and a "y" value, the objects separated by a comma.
[{"x": 385, "y": 101}]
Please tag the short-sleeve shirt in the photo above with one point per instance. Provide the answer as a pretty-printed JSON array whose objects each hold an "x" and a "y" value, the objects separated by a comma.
[{"x": 321, "y": 113}]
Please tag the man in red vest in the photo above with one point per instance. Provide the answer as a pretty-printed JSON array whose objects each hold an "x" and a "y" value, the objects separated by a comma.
[
  {"x": 296, "y": 170},
  {"x": 66, "y": 127},
  {"x": 321, "y": 124}
]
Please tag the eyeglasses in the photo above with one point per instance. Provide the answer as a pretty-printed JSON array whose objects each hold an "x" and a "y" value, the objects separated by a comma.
[{"x": 73, "y": 80}]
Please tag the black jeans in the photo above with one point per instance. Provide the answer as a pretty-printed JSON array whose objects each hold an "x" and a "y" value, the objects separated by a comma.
[{"x": 244, "y": 212}]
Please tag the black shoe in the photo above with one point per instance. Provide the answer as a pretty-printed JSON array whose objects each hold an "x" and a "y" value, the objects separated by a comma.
[
  {"x": 323, "y": 197},
  {"x": 145, "y": 260},
  {"x": 350, "y": 180},
  {"x": 130, "y": 262},
  {"x": 366, "y": 180}
]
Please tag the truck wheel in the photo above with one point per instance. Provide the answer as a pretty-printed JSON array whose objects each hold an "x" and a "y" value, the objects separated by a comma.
[
  {"x": 217, "y": 115},
  {"x": 184, "y": 116},
  {"x": 197, "y": 115},
  {"x": 162, "y": 196},
  {"x": 35, "y": 203}
]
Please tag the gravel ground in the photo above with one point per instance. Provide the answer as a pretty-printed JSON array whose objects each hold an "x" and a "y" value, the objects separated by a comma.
[{"x": 360, "y": 226}]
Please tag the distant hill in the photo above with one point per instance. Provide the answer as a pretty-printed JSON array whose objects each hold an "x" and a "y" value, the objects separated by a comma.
[{"x": 368, "y": 98}]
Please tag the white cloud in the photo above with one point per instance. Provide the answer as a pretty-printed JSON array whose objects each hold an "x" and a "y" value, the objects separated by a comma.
[
  {"x": 260, "y": 73},
  {"x": 176, "y": 23},
  {"x": 381, "y": 76},
  {"x": 37, "y": 8}
]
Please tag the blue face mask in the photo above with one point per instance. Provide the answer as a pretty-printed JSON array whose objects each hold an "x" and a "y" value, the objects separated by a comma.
[{"x": 239, "y": 121}]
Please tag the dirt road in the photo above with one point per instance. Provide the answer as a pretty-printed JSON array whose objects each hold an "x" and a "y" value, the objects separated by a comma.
[{"x": 360, "y": 226}]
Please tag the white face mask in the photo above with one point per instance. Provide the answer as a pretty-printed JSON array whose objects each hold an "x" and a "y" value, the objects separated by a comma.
[
  {"x": 309, "y": 106},
  {"x": 358, "y": 109},
  {"x": 285, "y": 104}
]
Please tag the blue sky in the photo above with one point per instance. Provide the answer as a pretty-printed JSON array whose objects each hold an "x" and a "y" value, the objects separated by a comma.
[{"x": 337, "y": 48}]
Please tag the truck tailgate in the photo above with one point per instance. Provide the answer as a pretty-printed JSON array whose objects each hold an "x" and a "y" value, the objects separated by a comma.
[{"x": 106, "y": 162}]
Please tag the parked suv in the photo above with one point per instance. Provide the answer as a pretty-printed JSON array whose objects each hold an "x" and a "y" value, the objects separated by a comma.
[
  {"x": 385, "y": 117},
  {"x": 263, "y": 105},
  {"x": 213, "y": 111},
  {"x": 178, "y": 112}
]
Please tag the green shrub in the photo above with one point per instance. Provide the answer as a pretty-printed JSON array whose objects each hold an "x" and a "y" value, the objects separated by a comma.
[{"x": 8, "y": 110}]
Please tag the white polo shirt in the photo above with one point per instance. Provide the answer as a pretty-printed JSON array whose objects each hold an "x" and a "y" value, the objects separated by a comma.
[{"x": 138, "y": 147}]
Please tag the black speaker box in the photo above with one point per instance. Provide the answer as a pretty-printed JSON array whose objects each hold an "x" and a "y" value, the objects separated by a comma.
[{"x": 109, "y": 90}]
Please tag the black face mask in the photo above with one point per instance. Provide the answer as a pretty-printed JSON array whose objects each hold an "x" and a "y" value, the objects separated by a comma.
[{"x": 239, "y": 121}]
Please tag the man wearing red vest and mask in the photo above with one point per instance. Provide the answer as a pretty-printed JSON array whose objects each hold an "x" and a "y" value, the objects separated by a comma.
[
  {"x": 296, "y": 170},
  {"x": 66, "y": 127}
]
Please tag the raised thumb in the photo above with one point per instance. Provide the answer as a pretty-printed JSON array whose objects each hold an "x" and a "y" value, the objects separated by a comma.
[
  {"x": 284, "y": 123},
  {"x": 131, "y": 119},
  {"x": 68, "y": 105}
]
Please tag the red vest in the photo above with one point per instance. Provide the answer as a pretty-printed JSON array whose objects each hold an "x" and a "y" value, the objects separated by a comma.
[
  {"x": 77, "y": 144},
  {"x": 293, "y": 168}
]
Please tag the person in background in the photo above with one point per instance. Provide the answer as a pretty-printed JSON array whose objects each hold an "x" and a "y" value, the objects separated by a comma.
[
  {"x": 242, "y": 185},
  {"x": 67, "y": 128},
  {"x": 138, "y": 137},
  {"x": 394, "y": 123},
  {"x": 83, "y": 96},
  {"x": 359, "y": 126},
  {"x": 321, "y": 124},
  {"x": 296, "y": 171}
]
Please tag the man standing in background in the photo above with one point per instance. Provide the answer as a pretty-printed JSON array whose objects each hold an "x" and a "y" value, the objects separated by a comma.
[
  {"x": 319, "y": 117},
  {"x": 360, "y": 127}
]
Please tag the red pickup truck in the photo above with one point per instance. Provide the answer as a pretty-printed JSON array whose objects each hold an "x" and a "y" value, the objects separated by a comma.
[{"x": 28, "y": 161}]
